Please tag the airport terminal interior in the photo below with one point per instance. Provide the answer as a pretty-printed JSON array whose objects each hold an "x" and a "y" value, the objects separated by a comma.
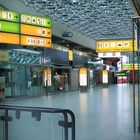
[{"x": 69, "y": 69}]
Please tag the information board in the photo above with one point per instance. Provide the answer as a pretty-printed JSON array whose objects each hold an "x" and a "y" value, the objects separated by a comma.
[
  {"x": 9, "y": 15},
  {"x": 36, "y": 41},
  {"x": 115, "y": 46},
  {"x": 9, "y": 27},
  {"x": 35, "y": 20},
  {"x": 35, "y": 31},
  {"x": 9, "y": 38}
]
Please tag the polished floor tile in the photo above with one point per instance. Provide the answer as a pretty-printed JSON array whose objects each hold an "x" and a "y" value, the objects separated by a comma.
[{"x": 102, "y": 113}]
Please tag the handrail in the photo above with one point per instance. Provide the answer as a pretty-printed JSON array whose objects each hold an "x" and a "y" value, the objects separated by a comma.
[{"x": 36, "y": 112}]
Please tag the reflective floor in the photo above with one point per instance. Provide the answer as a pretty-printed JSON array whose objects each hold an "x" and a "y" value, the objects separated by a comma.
[{"x": 102, "y": 113}]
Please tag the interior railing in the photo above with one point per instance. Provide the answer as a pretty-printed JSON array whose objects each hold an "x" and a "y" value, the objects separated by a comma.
[{"x": 37, "y": 123}]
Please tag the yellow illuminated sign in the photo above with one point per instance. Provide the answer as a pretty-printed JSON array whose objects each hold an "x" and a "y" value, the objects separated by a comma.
[
  {"x": 36, "y": 31},
  {"x": 115, "y": 46},
  {"x": 9, "y": 38},
  {"x": 70, "y": 55},
  {"x": 36, "y": 41}
]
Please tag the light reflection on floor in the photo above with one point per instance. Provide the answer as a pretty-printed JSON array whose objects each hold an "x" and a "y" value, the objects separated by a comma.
[{"x": 102, "y": 113}]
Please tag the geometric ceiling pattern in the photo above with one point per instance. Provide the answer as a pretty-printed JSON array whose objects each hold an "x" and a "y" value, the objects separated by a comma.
[{"x": 97, "y": 19}]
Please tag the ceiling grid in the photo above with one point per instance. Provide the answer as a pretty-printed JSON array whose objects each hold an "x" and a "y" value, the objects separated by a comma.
[{"x": 97, "y": 19}]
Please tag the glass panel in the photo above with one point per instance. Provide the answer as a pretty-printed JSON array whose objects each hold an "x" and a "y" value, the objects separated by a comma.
[{"x": 28, "y": 128}]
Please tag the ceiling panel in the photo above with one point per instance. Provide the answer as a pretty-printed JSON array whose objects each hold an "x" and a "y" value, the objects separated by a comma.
[{"x": 97, "y": 19}]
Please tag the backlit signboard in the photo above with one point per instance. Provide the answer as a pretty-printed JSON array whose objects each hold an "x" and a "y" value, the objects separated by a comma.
[
  {"x": 70, "y": 55},
  {"x": 9, "y": 38},
  {"x": 130, "y": 66},
  {"x": 109, "y": 55},
  {"x": 35, "y": 20},
  {"x": 9, "y": 16},
  {"x": 9, "y": 27},
  {"x": 36, "y": 41},
  {"x": 35, "y": 31},
  {"x": 105, "y": 76},
  {"x": 115, "y": 46},
  {"x": 83, "y": 77}
]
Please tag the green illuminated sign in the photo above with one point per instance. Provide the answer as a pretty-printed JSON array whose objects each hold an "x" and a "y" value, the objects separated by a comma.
[
  {"x": 9, "y": 27},
  {"x": 120, "y": 74},
  {"x": 9, "y": 16},
  {"x": 34, "y": 20}
]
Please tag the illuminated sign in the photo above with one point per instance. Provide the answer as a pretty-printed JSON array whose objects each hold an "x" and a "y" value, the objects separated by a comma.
[
  {"x": 47, "y": 77},
  {"x": 70, "y": 55},
  {"x": 36, "y": 41},
  {"x": 9, "y": 27},
  {"x": 9, "y": 38},
  {"x": 9, "y": 16},
  {"x": 83, "y": 76},
  {"x": 120, "y": 74},
  {"x": 105, "y": 76},
  {"x": 36, "y": 31},
  {"x": 34, "y": 20},
  {"x": 130, "y": 66},
  {"x": 115, "y": 46},
  {"x": 109, "y": 55},
  {"x": 4, "y": 56}
]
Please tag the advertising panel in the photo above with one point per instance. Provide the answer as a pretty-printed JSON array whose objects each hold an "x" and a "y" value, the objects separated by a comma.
[
  {"x": 35, "y": 20},
  {"x": 115, "y": 46},
  {"x": 9, "y": 38},
  {"x": 105, "y": 76},
  {"x": 35, "y": 31},
  {"x": 70, "y": 55},
  {"x": 48, "y": 77},
  {"x": 36, "y": 41},
  {"x": 9, "y": 27},
  {"x": 9, "y": 16},
  {"x": 83, "y": 76}
]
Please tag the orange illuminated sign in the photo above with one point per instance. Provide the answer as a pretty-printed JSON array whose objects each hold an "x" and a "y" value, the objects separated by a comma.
[
  {"x": 35, "y": 31},
  {"x": 36, "y": 41},
  {"x": 9, "y": 38}
]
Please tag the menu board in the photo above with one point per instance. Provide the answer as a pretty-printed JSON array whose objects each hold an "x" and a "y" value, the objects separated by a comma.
[
  {"x": 115, "y": 46},
  {"x": 35, "y": 31},
  {"x": 35, "y": 20},
  {"x": 9, "y": 27},
  {"x": 9, "y": 16},
  {"x": 83, "y": 76},
  {"x": 36, "y": 41},
  {"x": 9, "y": 38}
]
